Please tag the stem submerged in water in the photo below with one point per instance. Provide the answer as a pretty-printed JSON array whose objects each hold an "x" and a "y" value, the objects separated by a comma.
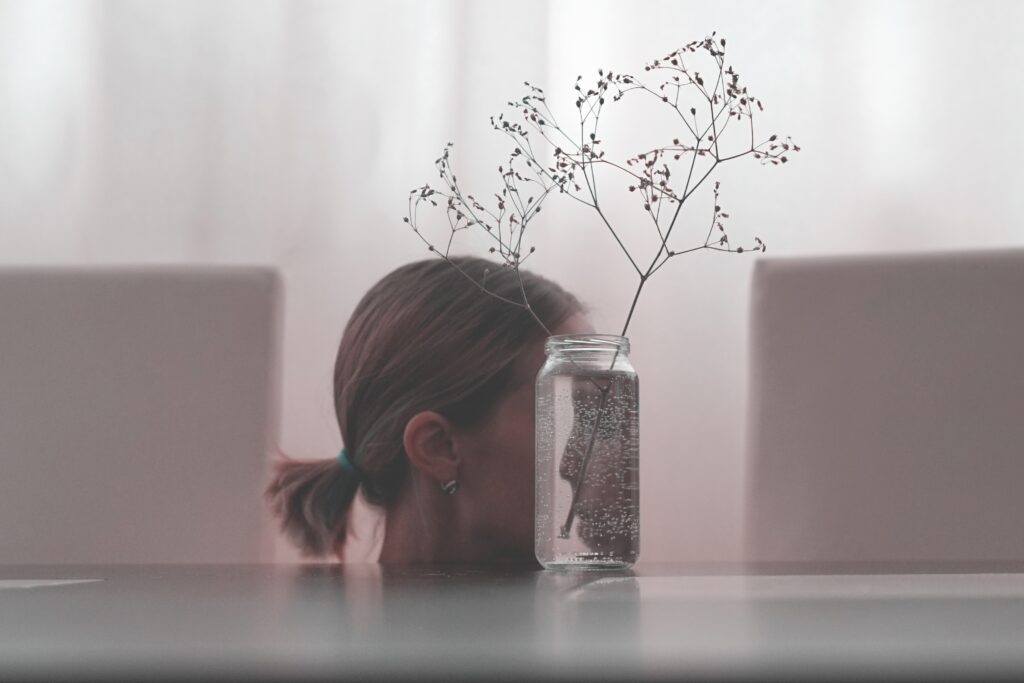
[{"x": 578, "y": 484}]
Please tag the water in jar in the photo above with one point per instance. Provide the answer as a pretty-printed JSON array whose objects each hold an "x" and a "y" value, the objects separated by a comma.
[{"x": 587, "y": 506}]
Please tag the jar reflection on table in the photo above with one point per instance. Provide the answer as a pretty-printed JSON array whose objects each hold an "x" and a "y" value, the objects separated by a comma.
[{"x": 587, "y": 493}]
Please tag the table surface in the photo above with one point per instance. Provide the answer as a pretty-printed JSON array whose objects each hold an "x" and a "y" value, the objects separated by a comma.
[{"x": 367, "y": 622}]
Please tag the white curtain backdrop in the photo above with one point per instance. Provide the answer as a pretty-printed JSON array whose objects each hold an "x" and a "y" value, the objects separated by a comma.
[{"x": 289, "y": 133}]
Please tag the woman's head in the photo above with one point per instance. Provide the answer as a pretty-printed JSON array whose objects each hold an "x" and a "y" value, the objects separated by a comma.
[{"x": 434, "y": 376}]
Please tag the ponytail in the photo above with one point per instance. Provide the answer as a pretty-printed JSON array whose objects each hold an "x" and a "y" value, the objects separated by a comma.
[{"x": 312, "y": 498}]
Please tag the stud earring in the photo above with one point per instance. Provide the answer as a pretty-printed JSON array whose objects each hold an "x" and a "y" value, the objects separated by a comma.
[{"x": 450, "y": 487}]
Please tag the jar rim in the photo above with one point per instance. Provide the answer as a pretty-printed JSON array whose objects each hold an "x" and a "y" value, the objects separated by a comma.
[{"x": 586, "y": 342}]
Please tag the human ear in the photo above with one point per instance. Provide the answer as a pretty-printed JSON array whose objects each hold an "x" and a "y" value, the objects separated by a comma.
[{"x": 430, "y": 445}]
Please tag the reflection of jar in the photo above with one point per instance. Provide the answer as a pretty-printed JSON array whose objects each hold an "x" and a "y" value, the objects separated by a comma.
[{"x": 588, "y": 443}]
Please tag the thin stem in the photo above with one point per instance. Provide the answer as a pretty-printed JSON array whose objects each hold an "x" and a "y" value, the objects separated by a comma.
[
  {"x": 636, "y": 297},
  {"x": 584, "y": 464},
  {"x": 593, "y": 196}
]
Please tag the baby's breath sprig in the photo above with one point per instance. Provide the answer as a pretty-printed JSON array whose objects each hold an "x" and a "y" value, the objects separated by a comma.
[
  {"x": 549, "y": 159},
  {"x": 519, "y": 201},
  {"x": 663, "y": 178}
]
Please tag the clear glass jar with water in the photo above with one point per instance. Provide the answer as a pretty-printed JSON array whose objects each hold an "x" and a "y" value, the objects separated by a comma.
[{"x": 588, "y": 441}]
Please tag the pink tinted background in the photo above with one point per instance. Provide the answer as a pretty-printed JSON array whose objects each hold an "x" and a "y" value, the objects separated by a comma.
[{"x": 289, "y": 134}]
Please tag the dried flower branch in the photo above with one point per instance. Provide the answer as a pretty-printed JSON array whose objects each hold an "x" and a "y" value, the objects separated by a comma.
[
  {"x": 663, "y": 178},
  {"x": 577, "y": 156}
]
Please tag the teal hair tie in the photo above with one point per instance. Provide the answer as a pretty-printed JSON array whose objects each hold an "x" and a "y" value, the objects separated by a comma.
[{"x": 345, "y": 462}]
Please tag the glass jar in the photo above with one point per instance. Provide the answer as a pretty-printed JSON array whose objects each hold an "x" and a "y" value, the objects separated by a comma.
[{"x": 587, "y": 448}]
